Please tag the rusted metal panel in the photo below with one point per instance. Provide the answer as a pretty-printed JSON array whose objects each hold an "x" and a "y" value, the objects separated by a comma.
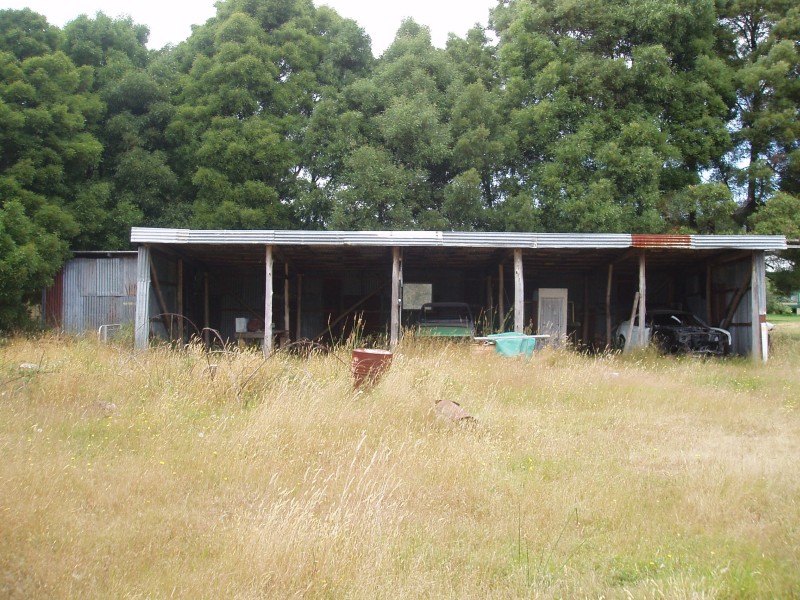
[
  {"x": 639, "y": 240},
  {"x": 54, "y": 302}
]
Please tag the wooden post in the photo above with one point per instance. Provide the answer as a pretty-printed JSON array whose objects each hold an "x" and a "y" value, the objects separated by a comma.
[
  {"x": 267, "y": 345},
  {"x": 585, "y": 332},
  {"x": 206, "y": 312},
  {"x": 642, "y": 299},
  {"x": 758, "y": 295},
  {"x": 628, "y": 340},
  {"x": 735, "y": 301},
  {"x": 162, "y": 305},
  {"x": 286, "y": 317},
  {"x": 181, "y": 332},
  {"x": 490, "y": 304},
  {"x": 396, "y": 307},
  {"x": 519, "y": 293},
  {"x": 501, "y": 305},
  {"x": 608, "y": 304},
  {"x": 299, "y": 334},
  {"x": 709, "y": 276},
  {"x": 142, "y": 332}
]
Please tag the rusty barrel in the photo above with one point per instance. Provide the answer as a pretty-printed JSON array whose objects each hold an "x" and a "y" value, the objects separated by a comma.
[{"x": 368, "y": 365}]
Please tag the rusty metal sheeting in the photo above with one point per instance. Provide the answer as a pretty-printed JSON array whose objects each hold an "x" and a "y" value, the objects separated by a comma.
[{"x": 639, "y": 240}]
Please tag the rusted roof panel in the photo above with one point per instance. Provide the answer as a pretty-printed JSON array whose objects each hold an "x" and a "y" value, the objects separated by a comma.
[{"x": 639, "y": 240}]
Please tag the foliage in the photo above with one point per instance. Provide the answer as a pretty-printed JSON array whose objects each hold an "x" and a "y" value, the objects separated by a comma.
[{"x": 563, "y": 115}]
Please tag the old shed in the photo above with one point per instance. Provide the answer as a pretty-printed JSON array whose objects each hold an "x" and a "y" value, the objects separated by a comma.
[
  {"x": 92, "y": 290},
  {"x": 278, "y": 286}
]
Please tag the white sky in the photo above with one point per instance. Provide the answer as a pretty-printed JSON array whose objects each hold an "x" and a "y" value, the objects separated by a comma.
[{"x": 171, "y": 21}]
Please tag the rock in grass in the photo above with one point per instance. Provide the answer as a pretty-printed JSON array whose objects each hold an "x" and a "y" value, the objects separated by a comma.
[{"x": 452, "y": 411}]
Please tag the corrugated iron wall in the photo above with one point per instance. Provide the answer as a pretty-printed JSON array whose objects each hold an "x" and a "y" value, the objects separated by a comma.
[
  {"x": 726, "y": 281},
  {"x": 97, "y": 291}
]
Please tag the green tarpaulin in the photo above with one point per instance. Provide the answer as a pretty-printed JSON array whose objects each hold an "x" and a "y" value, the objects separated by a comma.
[{"x": 513, "y": 344}]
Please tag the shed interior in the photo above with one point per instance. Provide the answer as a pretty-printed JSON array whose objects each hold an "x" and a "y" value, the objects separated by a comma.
[{"x": 325, "y": 292}]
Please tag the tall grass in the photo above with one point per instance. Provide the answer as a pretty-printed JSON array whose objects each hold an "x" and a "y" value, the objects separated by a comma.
[{"x": 183, "y": 474}]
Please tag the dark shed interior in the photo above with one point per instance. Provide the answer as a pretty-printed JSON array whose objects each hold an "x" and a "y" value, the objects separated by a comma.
[{"x": 323, "y": 292}]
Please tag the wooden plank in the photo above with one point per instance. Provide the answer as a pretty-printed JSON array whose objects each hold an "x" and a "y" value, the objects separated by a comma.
[
  {"x": 608, "y": 304},
  {"x": 160, "y": 297},
  {"x": 299, "y": 333},
  {"x": 206, "y": 312},
  {"x": 709, "y": 304},
  {"x": 642, "y": 298},
  {"x": 267, "y": 345},
  {"x": 735, "y": 302},
  {"x": 395, "y": 309},
  {"x": 759, "y": 302},
  {"x": 519, "y": 292},
  {"x": 142, "y": 320},
  {"x": 181, "y": 332},
  {"x": 629, "y": 333},
  {"x": 585, "y": 332},
  {"x": 501, "y": 305},
  {"x": 286, "y": 316}
]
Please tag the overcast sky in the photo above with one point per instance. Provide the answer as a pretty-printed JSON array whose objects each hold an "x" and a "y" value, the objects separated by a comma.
[{"x": 171, "y": 21}]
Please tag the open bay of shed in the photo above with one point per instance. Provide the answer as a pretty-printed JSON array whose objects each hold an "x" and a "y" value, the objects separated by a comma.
[{"x": 320, "y": 285}]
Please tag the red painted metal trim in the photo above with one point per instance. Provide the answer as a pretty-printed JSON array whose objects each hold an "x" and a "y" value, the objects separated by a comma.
[{"x": 644, "y": 240}]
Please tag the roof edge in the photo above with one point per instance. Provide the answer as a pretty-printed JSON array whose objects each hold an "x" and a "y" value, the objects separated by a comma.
[{"x": 473, "y": 239}]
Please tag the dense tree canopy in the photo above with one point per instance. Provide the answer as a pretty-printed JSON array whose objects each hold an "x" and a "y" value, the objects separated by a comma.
[{"x": 562, "y": 115}]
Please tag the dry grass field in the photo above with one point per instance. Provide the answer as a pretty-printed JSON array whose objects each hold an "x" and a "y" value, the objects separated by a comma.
[{"x": 179, "y": 474}]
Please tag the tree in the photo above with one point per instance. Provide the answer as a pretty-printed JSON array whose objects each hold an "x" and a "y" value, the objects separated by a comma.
[
  {"x": 46, "y": 158},
  {"x": 615, "y": 104},
  {"x": 251, "y": 81},
  {"x": 759, "y": 39},
  {"x": 135, "y": 184}
]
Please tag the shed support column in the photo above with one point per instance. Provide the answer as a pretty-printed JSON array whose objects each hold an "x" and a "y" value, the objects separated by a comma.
[
  {"x": 519, "y": 293},
  {"x": 501, "y": 304},
  {"x": 642, "y": 300},
  {"x": 142, "y": 333},
  {"x": 287, "y": 321},
  {"x": 206, "y": 311},
  {"x": 267, "y": 345},
  {"x": 608, "y": 304},
  {"x": 299, "y": 334},
  {"x": 181, "y": 333},
  {"x": 758, "y": 291},
  {"x": 396, "y": 307}
]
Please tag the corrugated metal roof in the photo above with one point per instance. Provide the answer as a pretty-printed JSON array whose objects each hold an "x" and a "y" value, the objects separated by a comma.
[
  {"x": 741, "y": 242},
  {"x": 144, "y": 235},
  {"x": 640, "y": 240}
]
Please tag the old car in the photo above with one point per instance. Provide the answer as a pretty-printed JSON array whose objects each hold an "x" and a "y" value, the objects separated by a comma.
[
  {"x": 446, "y": 319},
  {"x": 674, "y": 331}
]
